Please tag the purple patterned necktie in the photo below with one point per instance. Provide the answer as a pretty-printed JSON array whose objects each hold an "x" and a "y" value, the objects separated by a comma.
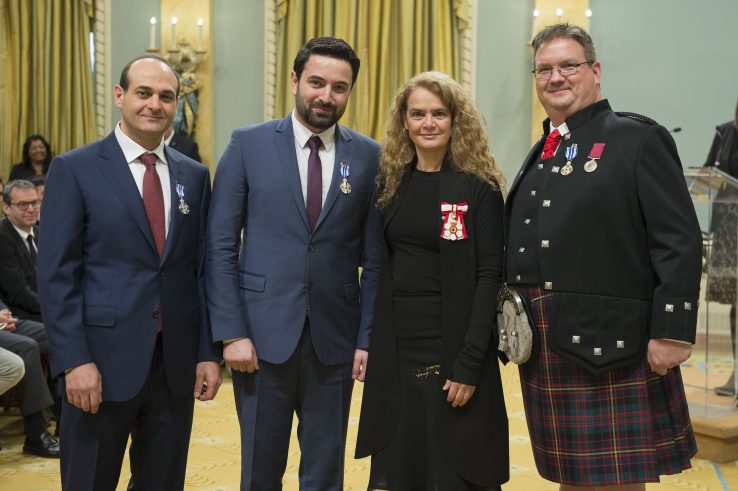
[{"x": 315, "y": 182}]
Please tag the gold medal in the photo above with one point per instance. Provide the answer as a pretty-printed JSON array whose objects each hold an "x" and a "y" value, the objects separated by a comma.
[
  {"x": 345, "y": 186},
  {"x": 567, "y": 169}
]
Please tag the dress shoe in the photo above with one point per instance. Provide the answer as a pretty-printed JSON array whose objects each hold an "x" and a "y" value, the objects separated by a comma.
[
  {"x": 727, "y": 389},
  {"x": 43, "y": 445}
]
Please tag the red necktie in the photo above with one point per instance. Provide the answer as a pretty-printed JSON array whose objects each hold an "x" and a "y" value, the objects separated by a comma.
[
  {"x": 315, "y": 182},
  {"x": 153, "y": 199},
  {"x": 552, "y": 141}
]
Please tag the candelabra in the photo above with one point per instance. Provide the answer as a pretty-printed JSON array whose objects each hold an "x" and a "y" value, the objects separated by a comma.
[{"x": 184, "y": 59}]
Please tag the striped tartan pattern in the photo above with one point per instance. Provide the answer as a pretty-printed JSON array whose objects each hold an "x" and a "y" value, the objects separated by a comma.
[{"x": 625, "y": 426}]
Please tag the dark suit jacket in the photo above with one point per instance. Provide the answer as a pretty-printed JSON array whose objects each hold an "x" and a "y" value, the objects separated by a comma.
[
  {"x": 102, "y": 283},
  {"x": 623, "y": 257},
  {"x": 473, "y": 438},
  {"x": 284, "y": 271},
  {"x": 185, "y": 146},
  {"x": 724, "y": 149},
  {"x": 18, "y": 287}
]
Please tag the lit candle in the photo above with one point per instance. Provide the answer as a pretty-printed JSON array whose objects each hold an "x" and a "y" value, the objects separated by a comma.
[
  {"x": 200, "y": 22},
  {"x": 152, "y": 33},
  {"x": 559, "y": 13},
  {"x": 174, "y": 36},
  {"x": 588, "y": 13},
  {"x": 536, "y": 15}
]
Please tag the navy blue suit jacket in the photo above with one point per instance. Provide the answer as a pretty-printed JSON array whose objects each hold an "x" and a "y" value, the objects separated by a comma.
[
  {"x": 284, "y": 272},
  {"x": 102, "y": 283}
]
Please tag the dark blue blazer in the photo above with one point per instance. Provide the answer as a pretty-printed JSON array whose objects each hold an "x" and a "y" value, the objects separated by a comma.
[
  {"x": 284, "y": 272},
  {"x": 102, "y": 283}
]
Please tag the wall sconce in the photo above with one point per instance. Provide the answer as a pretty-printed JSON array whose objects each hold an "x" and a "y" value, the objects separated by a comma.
[
  {"x": 184, "y": 59},
  {"x": 181, "y": 55}
]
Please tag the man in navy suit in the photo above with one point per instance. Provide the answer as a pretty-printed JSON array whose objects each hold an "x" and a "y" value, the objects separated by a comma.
[
  {"x": 122, "y": 294},
  {"x": 290, "y": 309}
]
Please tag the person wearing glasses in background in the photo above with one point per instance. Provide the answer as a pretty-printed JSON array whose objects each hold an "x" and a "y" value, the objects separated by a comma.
[
  {"x": 18, "y": 249},
  {"x": 604, "y": 248}
]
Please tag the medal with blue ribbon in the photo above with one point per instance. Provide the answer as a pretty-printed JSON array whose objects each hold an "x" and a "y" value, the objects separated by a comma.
[
  {"x": 183, "y": 207},
  {"x": 345, "y": 186},
  {"x": 571, "y": 153}
]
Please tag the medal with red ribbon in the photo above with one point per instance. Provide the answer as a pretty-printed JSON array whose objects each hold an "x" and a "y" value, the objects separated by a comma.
[
  {"x": 453, "y": 220},
  {"x": 594, "y": 154}
]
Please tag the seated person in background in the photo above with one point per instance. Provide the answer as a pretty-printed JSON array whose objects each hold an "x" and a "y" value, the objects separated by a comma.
[
  {"x": 36, "y": 159},
  {"x": 18, "y": 249},
  {"x": 721, "y": 284},
  {"x": 40, "y": 183},
  {"x": 11, "y": 368},
  {"x": 28, "y": 340},
  {"x": 182, "y": 144}
]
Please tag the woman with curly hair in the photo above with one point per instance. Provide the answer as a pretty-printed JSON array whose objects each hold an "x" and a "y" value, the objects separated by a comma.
[
  {"x": 433, "y": 414},
  {"x": 36, "y": 159}
]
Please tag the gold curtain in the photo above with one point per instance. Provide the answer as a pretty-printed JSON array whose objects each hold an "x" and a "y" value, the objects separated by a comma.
[
  {"x": 46, "y": 79},
  {"x": 395, "y": 40}
]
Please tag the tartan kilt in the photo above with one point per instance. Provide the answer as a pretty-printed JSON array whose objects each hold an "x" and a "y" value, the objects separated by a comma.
[{"x": 625, "y": 426}]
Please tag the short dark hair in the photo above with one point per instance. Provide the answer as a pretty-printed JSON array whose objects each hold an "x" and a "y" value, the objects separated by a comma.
[
  {"x": 565, "y": 30},
  {"x": 327, "y": 46},
  {"x": 38, "y": 180},
  {"x": 123, "y": 82},
  {"x": 16, "y": 184},
  {"x": 27, "y": 147}
]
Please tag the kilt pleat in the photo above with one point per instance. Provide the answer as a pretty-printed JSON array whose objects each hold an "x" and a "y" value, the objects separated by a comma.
[{"x": 628, "y": 425}]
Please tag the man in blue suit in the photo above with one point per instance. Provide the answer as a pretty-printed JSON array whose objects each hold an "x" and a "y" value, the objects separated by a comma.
[
  {"x": 290, "y": 309},
  {"x": 120, "y": 280}
]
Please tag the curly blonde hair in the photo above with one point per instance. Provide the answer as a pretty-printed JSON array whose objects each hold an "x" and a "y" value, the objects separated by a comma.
[{"x": 469, "y": 147}]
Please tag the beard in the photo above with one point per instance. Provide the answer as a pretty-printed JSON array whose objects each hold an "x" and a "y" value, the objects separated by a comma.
[{"x": 318, "y": 120}]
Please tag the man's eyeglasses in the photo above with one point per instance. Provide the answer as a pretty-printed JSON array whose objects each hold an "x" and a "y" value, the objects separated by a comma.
[
  {"x": 566, "y": 70},
  {"x": 23, "y": 205}
]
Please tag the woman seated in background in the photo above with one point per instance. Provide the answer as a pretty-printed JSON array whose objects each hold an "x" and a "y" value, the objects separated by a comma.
[
  {"x": 433, "y": 414},
  {"x": 36, "y": 159}
]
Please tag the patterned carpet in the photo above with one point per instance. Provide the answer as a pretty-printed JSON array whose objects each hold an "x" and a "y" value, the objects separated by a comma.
[{"x": 214, "y": 463}]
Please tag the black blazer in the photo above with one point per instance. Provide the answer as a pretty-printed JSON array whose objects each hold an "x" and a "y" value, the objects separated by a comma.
[
  {"x": 18, "y": 274},
  {"x": 23, "y": 171},
  {"x": 473, "y": 438},
  {"x": 185, "y": 146},
  {"x": 723, "y": 152}
]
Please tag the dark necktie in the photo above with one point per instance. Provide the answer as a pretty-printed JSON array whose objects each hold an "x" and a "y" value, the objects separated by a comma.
[
  {"x": 315, "y": 182},
  {"x": 153, "y": 199},
  {"x": 32, "y": 248},
  {"x": 552, "y": 141}
]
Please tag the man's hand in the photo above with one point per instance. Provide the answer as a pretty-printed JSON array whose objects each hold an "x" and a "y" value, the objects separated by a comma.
[
  {"x": 207, "y": 380},
  {"x": 84, "y": 387},
  {"x": 7, "y": 317},
  {"x": 663, "y": 354},
  {"x": 458, "y": 394},
  {"x": 240, "y": 355},
  {"x": 358, "y": 371}
]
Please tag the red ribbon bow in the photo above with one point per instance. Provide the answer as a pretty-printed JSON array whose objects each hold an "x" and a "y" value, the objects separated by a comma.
[{"x": 453, "y": 220}]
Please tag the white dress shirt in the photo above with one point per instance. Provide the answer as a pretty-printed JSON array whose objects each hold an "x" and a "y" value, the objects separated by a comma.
[
  {"x": 327, "y": 155},
  {"x": 131, "y": 151},
  {"x": 24, "y": 235}
]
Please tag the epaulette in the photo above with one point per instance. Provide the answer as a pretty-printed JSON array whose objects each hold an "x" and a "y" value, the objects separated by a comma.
[{"x": 637, "y": 116}]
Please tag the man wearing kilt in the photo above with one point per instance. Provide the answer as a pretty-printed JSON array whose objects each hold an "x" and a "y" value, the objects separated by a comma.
[{"x": 603, "y": 246}]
